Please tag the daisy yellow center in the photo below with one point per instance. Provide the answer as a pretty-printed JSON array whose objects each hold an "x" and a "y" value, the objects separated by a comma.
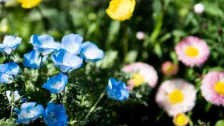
[
  {"x": 171, "y": 68},
  {"x": 191, "y": 51},
  {"x": 137, "y": 79},
  {"x": 219, "y": 88},
  {"x": 176, "y": 96},
  {"x": 180, "y": 120}
]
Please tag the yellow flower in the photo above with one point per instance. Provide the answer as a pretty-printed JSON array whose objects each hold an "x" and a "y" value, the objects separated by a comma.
[
  {"x": 121, "y": 9},
  {"x": 29, "y": 3},
  {"x": 180, "y": 120}
]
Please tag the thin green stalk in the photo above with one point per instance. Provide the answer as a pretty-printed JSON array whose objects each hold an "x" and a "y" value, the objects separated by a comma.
[
  {"x": 125, "y": 42},
  {"x": 12, "y": 104},
  {"x": 94, "y": 106}
]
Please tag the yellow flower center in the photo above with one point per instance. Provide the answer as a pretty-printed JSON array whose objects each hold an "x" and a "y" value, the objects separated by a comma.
[
  {"x": 176, "y": 96},
  {"x": 219, "y": 88},
  {"x": 137, "y": 79},
  {"x": 171, "y": 68},
  {"x": 191, "y": 51},
  {"x": 180, "y": 120}
]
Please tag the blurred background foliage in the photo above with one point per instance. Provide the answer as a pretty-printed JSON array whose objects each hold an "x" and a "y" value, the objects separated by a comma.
[{"x": 164, "y": 22}]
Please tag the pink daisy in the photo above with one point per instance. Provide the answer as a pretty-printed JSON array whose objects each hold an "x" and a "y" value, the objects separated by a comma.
[
  {"x": 192, "y": 51},
  {"x": 169, "y": 68},
  {"x": 141, "y": 73},
  {"x": 176, "y": 96},
  {"x": 212, "y": 88}
]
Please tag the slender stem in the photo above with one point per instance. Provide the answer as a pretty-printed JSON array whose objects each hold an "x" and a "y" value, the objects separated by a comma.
[
  {"x": 12, "y": 104},
  {"x": 94, "y": 106},
  {"x": 125, "y": 42}
]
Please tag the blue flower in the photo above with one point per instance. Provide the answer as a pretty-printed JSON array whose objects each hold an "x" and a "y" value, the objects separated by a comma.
[
  {"x": 44, "y": 44},
  {"x": 72, "y": 43},
  {"x": 117, "y": 90},
  {"x": 55, "y": 115},
  {"x": 90, "y": 52},
  {"x": 8, "y": 72},
  {"x": 9, "y": 95},
  {"x": 66, "y": 61},
  {"x": 10, "y": 43},
  {"x": 56, "y": 83},
  {"x": 33, "y": 59},
  {"x": 28, "y": 112}
]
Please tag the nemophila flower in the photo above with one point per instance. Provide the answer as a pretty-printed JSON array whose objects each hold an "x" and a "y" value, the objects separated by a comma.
[
  {"x": 56, "y": 83},
  {"x": 212, "y": 88},
  {"x": 66, "y": 61},
  {"x": 140, "y": 35},
  {"x": 117, "y": 90},
  {"x": 33, "y": 59},
  {"x": 8, "y": 72},
  {"x": 180, "y": 120},
  {"x": 9, "y": 95},
  {"x": 29, "y": 3},
  {"x": 141, "y": 73},
  {"x": 121, "y": 9},
  {"x": 90, "y": 52},
  {"x": 55, "y": 115},
  {"x": 192, "y": 51},
  {"x": 169, "y": 68},
  {"x": 176, "y": 96},
  {"x": 28, "y": 112},
  {"x": 10, "y": 43},
  {"x": 199, "y": 8},
  {"x": 72, "y": 43},
  {"x": 44, "y": 44}
]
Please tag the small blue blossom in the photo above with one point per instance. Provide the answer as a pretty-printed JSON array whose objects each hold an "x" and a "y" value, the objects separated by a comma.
[
  {"x": 33, "y": 59},
  {"x": 90, "y": 52},
  {"x": 72, "y": 43},
  {"x": 28, "y": 112},
  {"x": 117, "y": 90},
  {"x": 55, "y": 115},
  {"x": 44, "y": 44},
  {"x": 10, "y": 43},
  {"x": 56, "y": 83},
  {"x": 8, "y": 72},
  {"x": 66, "y": 61},
  {"x": 9, "y": 95}
]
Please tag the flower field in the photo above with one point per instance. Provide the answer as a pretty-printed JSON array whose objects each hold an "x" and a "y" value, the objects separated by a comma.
[{"x": 111, "y": 62}]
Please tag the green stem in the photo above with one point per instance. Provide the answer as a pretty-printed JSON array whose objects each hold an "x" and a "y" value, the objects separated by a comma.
[
  {"x": 125, "y": 42},
  {"x": 12, "y": 104},
  {"x": 94, "y": 106}
]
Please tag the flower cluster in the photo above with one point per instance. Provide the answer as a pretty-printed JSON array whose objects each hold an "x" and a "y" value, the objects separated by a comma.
[{"x": 68, "y": 55}]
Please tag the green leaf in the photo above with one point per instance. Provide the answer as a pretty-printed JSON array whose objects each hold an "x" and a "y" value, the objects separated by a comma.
[{"x": 219, "y": 123}]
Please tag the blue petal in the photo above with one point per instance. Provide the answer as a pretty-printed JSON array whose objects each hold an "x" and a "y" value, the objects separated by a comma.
[
  {"x": 33, "y": 59},
  {"x": 29, "y": 112},
  {"x": 117, "y": 90},
  {"x": 44, "y": 44},
  {"x": 72, "y": 43},
  {"x": 6, "y": 78},
  {"x": 10, "y": 43},
  {"x": 55, "y": 115},
  {"x": 125, "y": 94},
  {"x": 91, "y": 52},
  {"x": 66, "y": 61},
  {"x": 56, "y": 83},
  {"x": 10, "y": 68}
]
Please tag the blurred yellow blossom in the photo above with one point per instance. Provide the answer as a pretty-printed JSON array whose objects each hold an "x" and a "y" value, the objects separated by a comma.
[
  {"x": 180, "y": 120},
  {"x": 29, "y": 3},
  {"x": 121, "y": 9}
]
